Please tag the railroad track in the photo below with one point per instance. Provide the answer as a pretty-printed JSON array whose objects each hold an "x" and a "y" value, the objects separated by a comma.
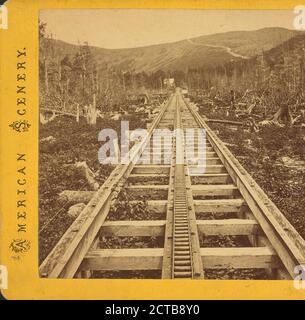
[{"x": 201, "y": 203}]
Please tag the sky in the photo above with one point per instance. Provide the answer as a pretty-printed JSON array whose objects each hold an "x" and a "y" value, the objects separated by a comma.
[{"x": 127, "y": 28}]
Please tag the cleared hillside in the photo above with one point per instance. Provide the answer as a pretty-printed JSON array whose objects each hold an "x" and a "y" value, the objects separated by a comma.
[{"x": 202, "y": 51}]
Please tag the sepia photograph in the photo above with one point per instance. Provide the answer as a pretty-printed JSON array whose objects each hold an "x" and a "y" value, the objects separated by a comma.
[{"x": 171, "y": 144}]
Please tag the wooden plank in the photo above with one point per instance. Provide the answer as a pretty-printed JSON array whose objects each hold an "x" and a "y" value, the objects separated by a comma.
[
  {"x": 201, "y": 147},
  {"x": 208, "y": 169},
  {"x": 218, "y": 205},
  {"x": 211, "y": 154},
  {"x": 58, "y": 112},
  {"x": 148, "y": 187},
  {"x": 219, "y": 178},
  {"x": 151, "y": 259},
  {"x": 135, "y": 228},
  {"x": 235, "y": 123},
  {"x": 147, "y": 175},
  {"x": 123, "y": 259},
  {"x": 239, "y": 258},
  {"x": 148, "y": 178},
  {"x": 212, "y": 161},
  {"x": 226, "y": 227},
  {"x": 214, "y": 190},
  {"x": 155, "y": 228},
  {"x": 152, "y": 169}
]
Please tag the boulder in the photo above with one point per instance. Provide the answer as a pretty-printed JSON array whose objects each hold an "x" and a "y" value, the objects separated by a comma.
[
  {"x": 75, "y": 210},
  {"x": 88, "y": 173},
  {"x": 49, "y": 139},
  {"x": 74, "y": 197}
]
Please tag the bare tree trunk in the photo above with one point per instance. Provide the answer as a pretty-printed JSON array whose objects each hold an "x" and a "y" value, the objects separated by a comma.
[
  {"x": 283, "y": 115},
  {"x": 94, "y": 114},
  {"x": 46, "y": 79},
  {"x": 77, "y": 113}
]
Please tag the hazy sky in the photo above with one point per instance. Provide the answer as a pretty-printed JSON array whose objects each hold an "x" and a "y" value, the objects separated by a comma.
[{"x": 123, "y": 28}]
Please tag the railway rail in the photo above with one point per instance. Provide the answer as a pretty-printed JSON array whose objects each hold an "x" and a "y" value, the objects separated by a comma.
[{"x": 222, "y": 201}]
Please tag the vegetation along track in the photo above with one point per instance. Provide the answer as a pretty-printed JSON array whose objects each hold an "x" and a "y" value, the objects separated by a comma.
[{"x": 217, "y": 223}]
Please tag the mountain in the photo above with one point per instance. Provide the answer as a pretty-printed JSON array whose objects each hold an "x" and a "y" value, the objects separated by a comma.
[{"x": 207, "y": 50}]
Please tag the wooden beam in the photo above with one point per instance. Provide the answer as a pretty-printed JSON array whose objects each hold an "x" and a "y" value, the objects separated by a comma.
[
  {"x": 234, "y": 123},
  {"x": 151, "y": 259},
  {"x": 239, "y": 258},
  {"x": 208, "y": 169},
  {"x": 228, "y": 227},
  {"x": 135, "y": 228},
  {"x": 148, "y": 178},
  {"x": 155, "y": 228},
  {"x": 211, "y": 178},
  {"x": 212, "y": 161},
  {"x": 210, "y": 154},
  {"x": 148, "y": 187},
  {"x": 200, "y": 147},
  {"x": 123, "y": 259},
  {"x": 152, "y": 169},
  {"x": 214, "y": 190},
  {"x": 218, "y": 205},
  {"x": 58, "y": 112},
  {"x": 147, "y": 175}
]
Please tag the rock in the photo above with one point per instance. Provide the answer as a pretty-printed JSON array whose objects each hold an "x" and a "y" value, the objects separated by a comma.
[
  {"x": 75, "y": 210},
  {"x": 229, "y": 144},
  {"x": 292, "y": 163},
  {"x": 49, "y": 139},
  {"x": 74, "y": 197},
  {"x": 90, "y": 176},
  {"x": 116, "y": 117},
  {"x": 248, "y": 141},
  {"x": 43, "y": 119}
]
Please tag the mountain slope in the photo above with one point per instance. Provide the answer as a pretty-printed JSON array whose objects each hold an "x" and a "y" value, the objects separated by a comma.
[{"x": 190, "y": 53}]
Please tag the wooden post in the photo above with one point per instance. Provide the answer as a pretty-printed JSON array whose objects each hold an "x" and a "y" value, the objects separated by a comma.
[
  {"x": 94, "y": 109},
  {"x": 77, "y": 113}
]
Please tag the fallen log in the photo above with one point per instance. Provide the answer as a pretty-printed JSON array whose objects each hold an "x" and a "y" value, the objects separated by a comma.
[
  {"x": 73, "y": 197},
  {"x": 231, "y": 122}
]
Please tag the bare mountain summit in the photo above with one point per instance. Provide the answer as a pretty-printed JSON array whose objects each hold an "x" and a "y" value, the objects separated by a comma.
[{"x": 201, "y": 51}]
